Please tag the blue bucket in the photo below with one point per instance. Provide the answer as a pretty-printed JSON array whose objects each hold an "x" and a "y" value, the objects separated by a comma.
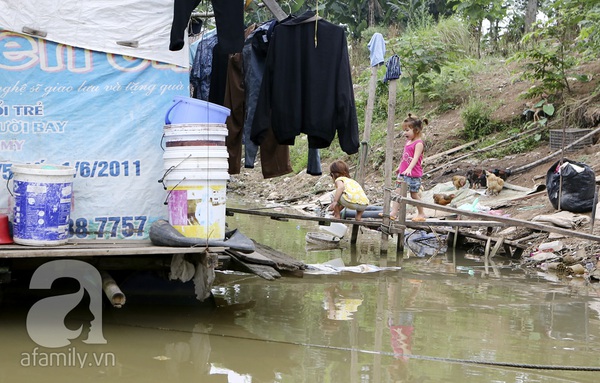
[
  {"x": 42, "y": 206},
  {"x": 186, "y": 110}
]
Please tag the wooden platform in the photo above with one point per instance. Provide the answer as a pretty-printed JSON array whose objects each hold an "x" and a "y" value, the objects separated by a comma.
[
  {"x": 97, "y": 248},
  {"x": 286, "y": 217}
]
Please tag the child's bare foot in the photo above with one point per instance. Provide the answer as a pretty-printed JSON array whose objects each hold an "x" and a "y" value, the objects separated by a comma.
[{"x": 419, "y": 218}]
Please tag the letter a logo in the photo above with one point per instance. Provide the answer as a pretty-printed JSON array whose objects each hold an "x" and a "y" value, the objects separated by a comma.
[{"x": 46, "y": 318}]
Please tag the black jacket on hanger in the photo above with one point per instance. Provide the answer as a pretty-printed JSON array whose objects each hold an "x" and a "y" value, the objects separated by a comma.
[{"x": 307, "y": 88}]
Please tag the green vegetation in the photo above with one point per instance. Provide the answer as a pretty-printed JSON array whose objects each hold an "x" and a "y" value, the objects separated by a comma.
[
  {"x": 476, "y": 116},
  {"x": 444, "y": 44}
]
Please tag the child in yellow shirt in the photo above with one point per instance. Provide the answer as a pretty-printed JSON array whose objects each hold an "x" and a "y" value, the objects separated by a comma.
[{"x": 348, "y": 192}]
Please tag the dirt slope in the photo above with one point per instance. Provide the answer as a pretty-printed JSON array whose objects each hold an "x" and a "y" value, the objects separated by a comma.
[{"x": 499, "y": 84}]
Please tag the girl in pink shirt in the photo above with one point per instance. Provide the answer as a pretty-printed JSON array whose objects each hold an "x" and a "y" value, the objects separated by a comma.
[{"x": 410, "y": 169}]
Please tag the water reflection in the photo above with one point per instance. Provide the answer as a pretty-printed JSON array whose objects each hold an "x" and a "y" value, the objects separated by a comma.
[{"x": 431, "y": 321}]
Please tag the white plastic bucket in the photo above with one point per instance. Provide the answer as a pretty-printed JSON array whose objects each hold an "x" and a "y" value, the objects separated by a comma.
[
  {"x": 335, "y": 228},
  {"x": 196, "y": 158},
  {"x": 42, "y": 205},
  {"x": 187, "y": 110},
  {"x": 197, "y": 202},
  {"x": 195, "y": 135}
]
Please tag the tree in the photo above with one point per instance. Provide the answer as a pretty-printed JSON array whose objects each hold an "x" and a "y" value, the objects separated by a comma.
[
  {"x": 475, "y": 11},
  {"x": 531, "y": 11}
]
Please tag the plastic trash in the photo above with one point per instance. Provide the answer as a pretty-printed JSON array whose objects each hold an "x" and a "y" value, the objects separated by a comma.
[{"x": 550, "y": 246}]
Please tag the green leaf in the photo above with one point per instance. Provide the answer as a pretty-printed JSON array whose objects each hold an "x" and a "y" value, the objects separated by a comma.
[{"x": 548, "y": 109}]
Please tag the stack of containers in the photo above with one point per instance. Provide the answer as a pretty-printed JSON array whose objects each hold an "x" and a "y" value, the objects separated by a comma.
[{"x": 196, "y": 167}]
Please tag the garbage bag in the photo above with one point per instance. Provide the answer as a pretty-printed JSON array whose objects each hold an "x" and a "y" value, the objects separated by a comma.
[{"x": 578, "y": 186}]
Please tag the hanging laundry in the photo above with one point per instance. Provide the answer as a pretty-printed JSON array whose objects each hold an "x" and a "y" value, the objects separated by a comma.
[
  {"x": 275, "y": 158},
  {"x": 255, "y": 55},
  {"x": 377, "y": 49},
  {"x": 202, "y": 65},
  {"x": 229, "y": 17},
  {"x": 393, "y": 71},
  {"x": 307, "y": 88}
]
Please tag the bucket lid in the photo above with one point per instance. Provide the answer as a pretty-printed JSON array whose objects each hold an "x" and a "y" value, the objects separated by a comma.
[
  {"x": 43, "y": 169},
  {"x": 214, "y": 133},
  {"x": 197, "y": 102},
  {"x": 196, "y": 125}
]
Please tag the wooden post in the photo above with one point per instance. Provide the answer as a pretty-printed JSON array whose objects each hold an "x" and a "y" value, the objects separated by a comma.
[
  {"x": 402, "y": 218},
  {"x": 364, "y": 145},
  {"x": 275, "y": 9},
  {"x": 389, "y": 158},
  {"x": 354, "y": 237}
]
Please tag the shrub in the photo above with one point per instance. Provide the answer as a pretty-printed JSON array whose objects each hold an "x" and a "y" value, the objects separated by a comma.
[{"x": 476, "y": 116}]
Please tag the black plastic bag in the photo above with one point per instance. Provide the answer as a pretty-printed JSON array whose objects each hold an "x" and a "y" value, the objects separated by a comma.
[{"x": 578, "y": 186}]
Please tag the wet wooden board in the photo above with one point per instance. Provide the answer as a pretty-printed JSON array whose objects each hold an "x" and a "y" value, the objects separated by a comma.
[
  {"x": 281, "y": 259},
  {"x": 254, "y": 257},
  {"x": 263, "y": 271},
  {"x": 96, "y": 248}
]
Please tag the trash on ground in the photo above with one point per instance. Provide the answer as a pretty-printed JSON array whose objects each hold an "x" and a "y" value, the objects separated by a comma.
[{"x": 336, "y": 266}]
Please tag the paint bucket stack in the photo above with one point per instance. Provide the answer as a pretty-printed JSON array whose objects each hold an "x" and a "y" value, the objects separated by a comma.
[
  {"x": 196, "y": 173},
  {"x": 42, "y": 207}
]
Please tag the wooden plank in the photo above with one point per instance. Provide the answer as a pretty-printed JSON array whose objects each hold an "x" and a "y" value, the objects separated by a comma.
[
  {"x": 454, "y": 223},
  {"x": 274, "y": 215},
  {"x": 489, "y": 147},
  {"x": 275, "y": 9},
  {"x": 509, "y": 221},
  {"x": 434, "y": 157},
  {"x": 482, "y": 237},
  {"x": 96, "y": 249}
]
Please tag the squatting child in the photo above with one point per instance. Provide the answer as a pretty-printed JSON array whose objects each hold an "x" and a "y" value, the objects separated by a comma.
[{"x": 348, "y": 192}]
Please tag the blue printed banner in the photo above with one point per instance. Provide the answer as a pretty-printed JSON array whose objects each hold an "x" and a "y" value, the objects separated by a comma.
[{"x": 102, "y": 114}]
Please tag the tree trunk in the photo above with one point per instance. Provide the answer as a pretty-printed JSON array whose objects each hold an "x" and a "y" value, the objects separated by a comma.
[
  {"x": 530, "y": 14},
  {"x": 372, "y": 12}
]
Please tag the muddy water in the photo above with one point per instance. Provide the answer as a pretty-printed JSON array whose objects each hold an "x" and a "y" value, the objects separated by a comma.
[{"x": 438, "y": 318}]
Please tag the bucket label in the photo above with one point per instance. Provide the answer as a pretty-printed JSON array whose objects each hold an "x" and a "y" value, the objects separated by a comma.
[
  {"x": 198, "y": 211},
  {"x": 41, "y": 211}
]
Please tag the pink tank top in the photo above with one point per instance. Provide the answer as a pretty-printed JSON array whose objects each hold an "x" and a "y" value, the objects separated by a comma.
[{"x": 407, "y": 156}]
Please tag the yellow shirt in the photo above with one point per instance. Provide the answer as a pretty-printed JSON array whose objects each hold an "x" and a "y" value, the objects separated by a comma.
[{"x": 353, "y": 192}]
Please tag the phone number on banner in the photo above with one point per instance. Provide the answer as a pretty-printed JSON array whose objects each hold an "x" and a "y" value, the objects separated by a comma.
[
  {"x": 108, "y": 227},
  {"x": 90, "y": 169}
]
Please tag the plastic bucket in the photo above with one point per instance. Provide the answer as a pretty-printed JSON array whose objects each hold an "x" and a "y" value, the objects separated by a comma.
[
  {"x": 42, "y": 204},
  {"x": 195, "y": 135},
  {"x": 335, "y": 228},
  {"x": 196, "y": 158},
  {"x": 186, "y": 110},
  {"x": 197, "y": 202}
]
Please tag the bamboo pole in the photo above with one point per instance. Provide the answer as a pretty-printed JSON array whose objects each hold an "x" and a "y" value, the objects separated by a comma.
[
  {"x": 112, "y": 290},
  {"x": 364, "y": 149},
  {"x": 389, "y": 157},
  {"x": 512, "y": 221},
  {"x": 402, "y": 217},
  {"x": 547, "y": 158},
  {"x": 495, "y": 145}
]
